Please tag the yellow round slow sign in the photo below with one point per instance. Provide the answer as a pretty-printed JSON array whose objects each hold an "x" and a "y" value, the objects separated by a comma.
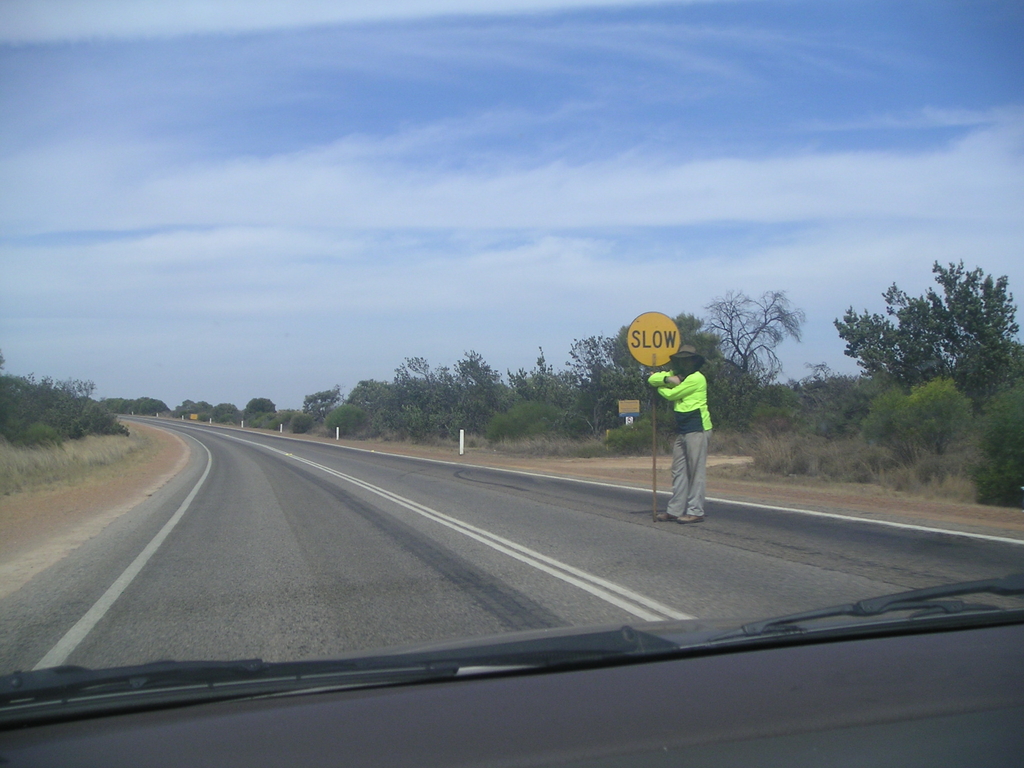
[{"x": 652, "y": 339}]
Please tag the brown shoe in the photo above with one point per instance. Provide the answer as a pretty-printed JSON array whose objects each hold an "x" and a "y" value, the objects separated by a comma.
[
  {"x": 665, "y": 518},
  {"x": 690, "y": 519}
]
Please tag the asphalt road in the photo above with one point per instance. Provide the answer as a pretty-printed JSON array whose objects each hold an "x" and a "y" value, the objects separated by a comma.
[{"x": 284, "y": 549}]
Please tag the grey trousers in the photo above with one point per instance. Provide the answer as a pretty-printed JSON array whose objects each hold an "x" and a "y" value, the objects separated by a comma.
[{"x": 689, "y": 474}]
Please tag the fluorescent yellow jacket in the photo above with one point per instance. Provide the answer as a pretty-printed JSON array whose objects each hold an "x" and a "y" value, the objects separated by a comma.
[{"x": 689, "y": 399}]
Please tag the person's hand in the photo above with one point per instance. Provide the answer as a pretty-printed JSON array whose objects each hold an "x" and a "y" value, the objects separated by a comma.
[{"x": 673, "y": 381}]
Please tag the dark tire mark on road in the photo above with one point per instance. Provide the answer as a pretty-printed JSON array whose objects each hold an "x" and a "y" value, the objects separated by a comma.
[{"x": 515, "y": 610}]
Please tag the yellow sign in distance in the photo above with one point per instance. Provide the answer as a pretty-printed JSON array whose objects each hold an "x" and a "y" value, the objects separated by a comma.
[{"x": 652, "y": 339}]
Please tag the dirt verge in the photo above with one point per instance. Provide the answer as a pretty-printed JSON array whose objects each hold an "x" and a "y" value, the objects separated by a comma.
[{"x": 38, "y": 528}]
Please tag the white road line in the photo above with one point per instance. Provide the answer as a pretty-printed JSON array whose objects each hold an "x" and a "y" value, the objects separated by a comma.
[
  {"x": 632, "y": 602},
  {"x": 888, "y": 523},
  {"x": 64, "y": 647}
]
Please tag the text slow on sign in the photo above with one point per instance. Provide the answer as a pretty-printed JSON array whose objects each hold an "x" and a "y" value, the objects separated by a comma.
[{"x": 652, "y": 338}]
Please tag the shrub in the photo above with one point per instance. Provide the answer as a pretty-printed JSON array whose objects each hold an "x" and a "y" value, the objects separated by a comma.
[
  {"x": 1000, "y": 475},
  {"x": 277, "y": 419},
  {"x": 773, "y": 420},
  {"x": 66, "y": 407},
  {"x": 346, "y": 419},
  {"x": 39, "y": 434},
  {"x": 525, "y": 419},
  {"x": 931, "y": 418},
  {"x": 225, "y": 413},
  {"x": 635, "y": 438},
  {"x": 301, "y": 423},
  {"x": 263, "y": 420}
]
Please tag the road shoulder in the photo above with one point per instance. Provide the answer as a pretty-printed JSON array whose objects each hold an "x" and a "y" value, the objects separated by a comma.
[{"x": 38, "y": 528}]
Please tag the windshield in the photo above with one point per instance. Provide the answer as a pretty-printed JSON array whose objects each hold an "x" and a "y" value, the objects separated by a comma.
[{"x": 329, "y": 329}]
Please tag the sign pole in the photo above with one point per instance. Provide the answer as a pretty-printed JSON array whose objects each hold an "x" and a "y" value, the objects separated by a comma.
[{"x": 654, "y": 453}]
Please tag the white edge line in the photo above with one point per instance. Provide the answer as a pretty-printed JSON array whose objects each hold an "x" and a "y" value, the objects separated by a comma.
[
  {"x": 811, "y": 512},
  {"x": 67, "y": 644},
  {"x": 848, "y": 518}
]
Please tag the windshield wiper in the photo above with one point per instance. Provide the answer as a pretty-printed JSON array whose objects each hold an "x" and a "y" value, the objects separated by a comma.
[
  {"x": 930, "y": 601},
  {"x": 22, "y": 693}
]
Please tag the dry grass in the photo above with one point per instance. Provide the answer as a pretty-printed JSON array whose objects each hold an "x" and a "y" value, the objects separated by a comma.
[
  {"x": 23, "y": 469},
  {"x": 555, "y": 447},
  {"x": 728, "y": 443},
  {"x": 853, "y": 460}
]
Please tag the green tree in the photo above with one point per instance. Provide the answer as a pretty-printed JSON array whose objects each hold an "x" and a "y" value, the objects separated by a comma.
[
  {"x": 424, "y": 402},
  {"x": 602, "y": 377},
  {"x": 145, "y": 406},
  {"x": 543, "y": 384},
  {"x": 375, "y": 399},
  {"x": 835, "y": 405},
  {"x": 226, "y": 413},
  {"x": 528, "y": 418},
  {"x": 966, "y": 333},
  {"x": 201, "y": 408},
  {"x": 319, "y": 404},
  {"x": 33, "y": 411},
  {"x": 259, "y": 406},
  {"x": 148, "y": 405},
  {"x": 481, "y": 393},
  {"x": 1000, "y": 476}
]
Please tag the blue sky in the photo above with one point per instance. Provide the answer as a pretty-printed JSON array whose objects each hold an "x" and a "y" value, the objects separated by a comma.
[{"x": 222, "y": 201}]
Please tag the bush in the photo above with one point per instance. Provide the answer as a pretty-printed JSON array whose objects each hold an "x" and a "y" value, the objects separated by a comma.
[
  {"x": 225, "y": 413},
  {"x": 773, "y": 420},
  {"x": 263, "y": 420},
  {"x": 1001, "y": 474},
  {"x": 301, "y": 423},
  {"x": 39, "y": 434},
  {"x": 931, "y": 418},
  {"x": 635, "y": 439},
  {"x": 259, "y": 406},
  {"x": 66, "y": 407},
  {"x": 522, "y": 420},
  {"x": 346, "y": 419},
  {"x": 277, "y": 420},
  {"x": 148, "y": 406}
]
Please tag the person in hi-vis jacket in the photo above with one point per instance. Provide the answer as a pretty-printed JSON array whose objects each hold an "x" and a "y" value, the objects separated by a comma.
[{"x": 687, "y": 389}]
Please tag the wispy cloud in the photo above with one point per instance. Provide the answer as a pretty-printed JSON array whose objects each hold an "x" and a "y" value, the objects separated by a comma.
[
  {"x": 979, "y": 177},
  {"x": 62, "y": 20},
  {"x": 924, "y": 118}
]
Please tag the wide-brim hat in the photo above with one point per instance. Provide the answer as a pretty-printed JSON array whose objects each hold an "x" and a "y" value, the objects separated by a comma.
[{"x": 688, "y": 352}]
